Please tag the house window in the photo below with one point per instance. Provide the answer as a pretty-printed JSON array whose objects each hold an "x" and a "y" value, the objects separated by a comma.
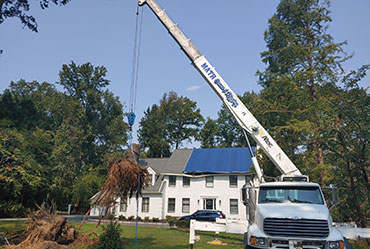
[
  {"x": 185, "y": 181},
  {"x": 209, "y": 181},
  {"x": 234, "y": 206},
  {"x": 172, "y": 181},
  {"x": 171, "y": 205},
  {"x": 145, "y": 205},
  {"x": 233, "y": 181},
  {"x": 186, "y": 205},
  {"x": 123, "y": 206}
]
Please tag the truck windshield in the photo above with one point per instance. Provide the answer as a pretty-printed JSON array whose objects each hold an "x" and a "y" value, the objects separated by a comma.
[{"x": 293, "y": 194}]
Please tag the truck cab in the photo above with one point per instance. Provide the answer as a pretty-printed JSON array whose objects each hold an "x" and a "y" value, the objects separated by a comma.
[{"x": 289, "y": 215}]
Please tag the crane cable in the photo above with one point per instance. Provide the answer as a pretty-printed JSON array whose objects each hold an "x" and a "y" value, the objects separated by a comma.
[
  {"x": 135, "y": 67},
  {"x": 132, "y": 102}
]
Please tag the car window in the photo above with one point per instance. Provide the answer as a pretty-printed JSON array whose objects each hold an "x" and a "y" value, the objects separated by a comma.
[{"x": 198, "y": 213}]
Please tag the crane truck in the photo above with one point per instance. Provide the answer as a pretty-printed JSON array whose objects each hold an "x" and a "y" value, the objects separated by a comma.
[{"x": 289, "y": 213}]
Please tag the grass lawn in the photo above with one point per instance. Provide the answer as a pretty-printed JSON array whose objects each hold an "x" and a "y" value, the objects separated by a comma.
[
  {"x": 152, "y": 237},
  {"x": 12, "y": 227},
  {"x": 148, "y": 237}
]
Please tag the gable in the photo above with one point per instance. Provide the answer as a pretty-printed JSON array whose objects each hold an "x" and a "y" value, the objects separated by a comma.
[{"x": 219, "y": 160}]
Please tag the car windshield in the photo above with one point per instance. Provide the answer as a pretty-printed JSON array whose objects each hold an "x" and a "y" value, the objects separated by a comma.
[{"x": 293, "y": 194}]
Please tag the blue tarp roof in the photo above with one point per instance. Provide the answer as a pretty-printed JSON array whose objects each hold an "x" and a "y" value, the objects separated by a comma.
[{"x": 219, "y": 160}]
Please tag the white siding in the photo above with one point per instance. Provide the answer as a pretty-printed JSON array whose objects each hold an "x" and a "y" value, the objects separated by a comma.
[
  {"x": 155, "y": 207},
  {"x": 197, "y": 192}
]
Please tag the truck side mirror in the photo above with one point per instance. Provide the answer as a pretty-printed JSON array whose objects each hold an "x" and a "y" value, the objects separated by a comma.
[{"x": 245, "y": 194}]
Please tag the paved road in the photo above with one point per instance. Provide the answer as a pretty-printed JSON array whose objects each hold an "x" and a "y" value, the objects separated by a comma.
[
  {"x": 73, "y": 218},
  {"x": 94, "y": 220}
]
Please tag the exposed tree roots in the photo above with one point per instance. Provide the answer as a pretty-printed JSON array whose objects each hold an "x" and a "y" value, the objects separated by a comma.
[
  {"x": 122, "y": 181},
  {"x": 47, "y": 230}
]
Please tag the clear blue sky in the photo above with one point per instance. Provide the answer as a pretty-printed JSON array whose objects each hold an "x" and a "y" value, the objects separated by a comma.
[{"x": 228, "y": 32}]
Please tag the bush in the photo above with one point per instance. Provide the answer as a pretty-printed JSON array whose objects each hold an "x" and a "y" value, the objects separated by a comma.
[
  {"x": 155, "y": 219},
  {"x": 131, "y": 218},
  {"x": 147, "y": 219},
  {"x": 110, "y": 238},
  {"x": 171, "y": 220},
  {"x": 110, "y": 217},
  {"x": 182, "y": 223},
  {"x": 13, "y": 209},
  {"x": 121, "y": 217}
]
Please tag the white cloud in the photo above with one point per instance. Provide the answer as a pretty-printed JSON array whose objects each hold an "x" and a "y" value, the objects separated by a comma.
[{"x": 193, "y": 88}]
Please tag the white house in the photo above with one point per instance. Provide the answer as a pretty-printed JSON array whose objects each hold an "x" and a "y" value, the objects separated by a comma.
[{"x": 190, "y": 180}]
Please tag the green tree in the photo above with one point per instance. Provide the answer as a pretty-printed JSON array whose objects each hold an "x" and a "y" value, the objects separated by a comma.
[
  {"x": 110, "y": 238},
  {"x": 59, "y": 138},
  {"x": 303, "y": 66},
  {"x": 19, "y": 9},
  {"x": 84, "y": 188},
  {"x": 348, "y": 148},
  {"x": 175, "y": 119},
  {"x": 230, "y": 132},
  {"x": 152, "y": 133},
  {"x": 21, "y": 176},
  {"x": 26, "y": 145},
  {"x": 104, "y": 128},
  {"x": 182, "y": 116},
  {"x": 209, "y": 134},
  {"x": 322, "y": 127}
]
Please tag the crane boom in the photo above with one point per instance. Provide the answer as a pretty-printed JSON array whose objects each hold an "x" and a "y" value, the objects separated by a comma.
[{"x": 240, "y": 112}]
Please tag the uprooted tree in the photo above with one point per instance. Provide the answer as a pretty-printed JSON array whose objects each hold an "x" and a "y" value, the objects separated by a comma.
[
  {"x": 125, "y": 178},
  {"x": 45, "y": 229}
]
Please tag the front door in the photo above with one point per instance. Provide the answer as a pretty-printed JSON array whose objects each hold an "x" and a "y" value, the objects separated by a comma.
[{"x": 209, "y": 203}]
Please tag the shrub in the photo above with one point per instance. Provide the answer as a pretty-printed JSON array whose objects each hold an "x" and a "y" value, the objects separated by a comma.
[
  {"x": 171, "y": 220},
  {"x": 121, "y": 217},
  {"x": 155, "y": 219},
  {"x": 110, "y": 238},
  {"x": 131, "y": 218},
  {"x": 182, "y": 223},
  {"x": 147, "y": 219},
  {"x": 110, "y": 217}
]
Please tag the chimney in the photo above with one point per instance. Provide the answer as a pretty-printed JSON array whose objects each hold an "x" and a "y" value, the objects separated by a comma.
[{"x": 136, "y": 149}]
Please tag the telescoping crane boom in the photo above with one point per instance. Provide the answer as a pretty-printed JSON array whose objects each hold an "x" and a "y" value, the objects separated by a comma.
[
  {"x": 290, "y": 213},
  {"x": 240, "y": 112}
]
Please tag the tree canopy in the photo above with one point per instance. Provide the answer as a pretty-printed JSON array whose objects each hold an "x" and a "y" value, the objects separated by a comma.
[
  {"x": 303, "y": 95},
  {"x": 175, "y": 119},
  {"x": 19, "y": 9},
  {"x": 51, "y": 141}
]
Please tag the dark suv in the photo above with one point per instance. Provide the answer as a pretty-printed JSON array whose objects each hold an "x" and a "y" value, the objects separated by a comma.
[{"x": 204, "y": 215}]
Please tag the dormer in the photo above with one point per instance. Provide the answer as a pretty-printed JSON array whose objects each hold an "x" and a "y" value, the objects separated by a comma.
[{"x": 152, "y": 176}]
